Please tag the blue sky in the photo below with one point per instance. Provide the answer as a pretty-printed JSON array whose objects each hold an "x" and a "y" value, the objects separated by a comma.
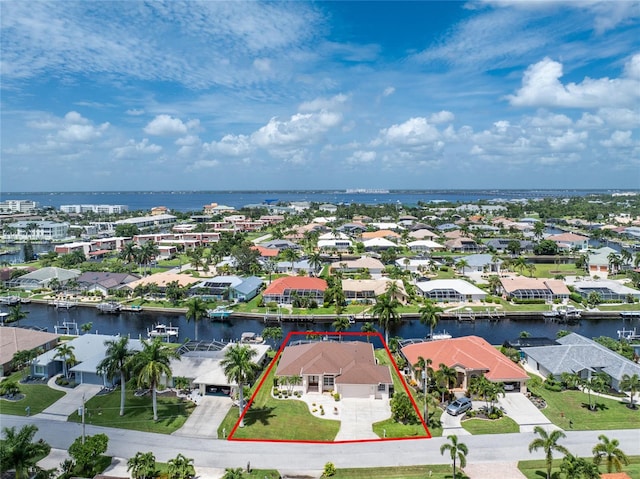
[{"x": 319, "y": 95}]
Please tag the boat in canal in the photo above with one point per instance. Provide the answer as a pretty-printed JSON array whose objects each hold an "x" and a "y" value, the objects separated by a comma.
[{"x": 219, "y": 313}]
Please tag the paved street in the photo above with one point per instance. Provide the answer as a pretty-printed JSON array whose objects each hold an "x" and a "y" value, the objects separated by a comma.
[{"x": 221, "y": 454}]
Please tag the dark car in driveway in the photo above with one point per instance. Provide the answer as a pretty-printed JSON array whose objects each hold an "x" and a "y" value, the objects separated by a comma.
[{"x": 459, "y": 406}]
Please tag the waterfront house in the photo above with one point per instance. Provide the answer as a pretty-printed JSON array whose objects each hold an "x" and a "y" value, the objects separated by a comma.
[
  {"x": 598, "y": 262},
  {"x": 348, "y": 368},
  {"x": 424, "y": 246},
  {"x": 470, "y": 356},
  {"x": 104, "y": 282},
  {"x": 480, "y": 263},
  {"x": 41, "y": 278},
  {"x": 297, "y": 267},
  {"x": 500, "y": 245},
  {"x": 363, "y": 290},
  {"x": 382, "y": 233},
  {"x": 520, "y": 287},
  {"x": 450, "y": 290},
  {"x": 88, "y": 351},
  {"x": 378, "y": 244},
  {"x": 608, "y": 290},
  {"x": 372, "y": 265},
  {"x": 462, "y": 245},
  {"x": 576, "y": 354},
  {"x": 13, "y": 340},
  {"x": 163, "y": 279},
  {"x": 423, "y": 234},
  {"x": 286, "y": 289},
  {"x": 228, "y": 287}
]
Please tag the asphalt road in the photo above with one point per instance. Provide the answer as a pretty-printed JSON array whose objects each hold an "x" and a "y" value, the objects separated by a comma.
[{"x": 296, "y": 456}]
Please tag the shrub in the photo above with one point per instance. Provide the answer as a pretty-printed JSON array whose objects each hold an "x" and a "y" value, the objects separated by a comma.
[
  {"x": 329, "y": 470},
  {"x": 336, "y": 396}
]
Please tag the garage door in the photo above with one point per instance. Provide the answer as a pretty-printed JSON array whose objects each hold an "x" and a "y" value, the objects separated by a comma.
[{"x": 354, "y": 390}]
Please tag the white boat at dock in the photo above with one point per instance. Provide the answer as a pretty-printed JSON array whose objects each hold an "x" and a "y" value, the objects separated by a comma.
[
  {"x": 63, "y": 303},
  {"x": 251, "y": 338},
  {"x": 67, "y": 327},
  {"x": 163, "y": 331},
  {"x": 219, "y": 312},
  {"x": 439, "y": 336},
  {"x": 109, "y": 307}
]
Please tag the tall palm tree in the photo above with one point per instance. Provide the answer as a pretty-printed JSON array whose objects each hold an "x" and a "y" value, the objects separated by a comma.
[
  {"x": 429, "y": 315},
  {"x": 116, "y": 362},
  {"x": 291, "y": 255},
  {"x": 196, "y": 310},
  {"x": 632, "y": 385},
  {"x": 128, "y": 252},
  {"x": 315, "y": 261},
  {"x": 596, "y": 382},
  {"x": 386, "y": 309},
  {"x": 19, "y": 452},
  {"x": 16, "y": 314},
  {"x": 368, "y": 328},
  {"x": 150, "y": 364},
  {"x": 445, "y": 377},
  {"x": 65, "y": 352},
  {"x": 457, "y": 450},
  {"x": 609, "y": 450},
  {"x": 461, "y": 264},
  {"x": 548, "y": 442},
  {"x": 341, "y": 324},
  {"x": 424, "y": 366},
  {"x": 520, "y": 264},
  {"x": 238, "y": 367}
]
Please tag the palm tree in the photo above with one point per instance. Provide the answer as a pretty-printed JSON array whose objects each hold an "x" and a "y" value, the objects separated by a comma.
[
  {"x": 150, "y": 364},
  {"x": 315, "y": 261},
  {"x": 142, "y": 465},
  {"x": 16, "y": 314},
  {"x": 494, "y": 283},
  {"x": 238, "y": 367},
  {"x": 632, "y": 385},
  {"x": 181, "y": 468},
  {"x": 128, "y": 252},
  {"x": 548, "y": 442},
  {"x": 457, "y": 450},
  {"x": 596, "y": 382},
  {"x": 291, "y": 255},
  {"x": 341, "y": 324},
  {"x": 445, "y": 377},
  {"x": 461, "y": 264},
  {"x": 538, "y": 230},
  {"x": 368, "y": 328},
  {"x": 424, "y": 366},
  {"x": 608, "y": 449},
  {"x": 578, "y": 468},
  {"x": 386, "y": 311},
  {"x": 19, "y": 452},
  {"x": 116, "y": 362},
  {"x": 65, "y": 352},
  {"x": 429, "y": 316},
  {"x": 520, "y": 264},
  {"x": 196, "y": 310}
]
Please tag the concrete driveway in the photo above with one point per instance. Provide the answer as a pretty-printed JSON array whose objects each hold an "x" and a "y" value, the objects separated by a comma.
[
  {"x": 70, "y": 402},
  {"x": 206, "y": 417},
  {"x": 358, "y": 415},
  {"x": 519, "y": 408}
]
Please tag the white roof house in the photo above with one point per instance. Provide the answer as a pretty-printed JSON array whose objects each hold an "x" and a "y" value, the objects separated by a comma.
[
  {"x": 452, "y": 290},
  {"x": 42, "y": 277},
  {"x": 424, "y": 245},
  {"x": 378, "y": 243}
]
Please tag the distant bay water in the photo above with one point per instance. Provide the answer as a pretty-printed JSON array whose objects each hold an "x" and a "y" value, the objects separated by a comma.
[{"x": 195, "y": 200}]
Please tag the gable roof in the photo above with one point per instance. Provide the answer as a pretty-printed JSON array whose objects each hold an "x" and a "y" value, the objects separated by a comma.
[
  {"x": 280, "y": 285},
  {"x": 575, "y": 353},
  {"x": 351, "y": 362},
  {"x": 470, "y": 352},
  {"x": 515, "y": 283},
  {"x": 365, "y": 262}
]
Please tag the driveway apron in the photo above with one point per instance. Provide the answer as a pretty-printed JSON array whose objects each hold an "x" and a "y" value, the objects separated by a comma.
[
  {"x": 519, "y": 408},
  {"x": 206, "y": 417},
  {"x": 357, "y": 417}
]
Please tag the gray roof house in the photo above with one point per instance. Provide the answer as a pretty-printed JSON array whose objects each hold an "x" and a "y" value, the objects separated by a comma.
[
  {"x": 88, "y": 350},
  {"x": 579, "y": 355},
  {"x": 104, "y": 281},
  {"x": 480, "y": 263},
  {"x": 41, "y": 278}
]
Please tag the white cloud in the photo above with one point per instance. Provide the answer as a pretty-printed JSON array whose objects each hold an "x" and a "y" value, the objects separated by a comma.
[
  {"x": 360, "y": 157},
  {"x": 441, "y": 117},
  {"x": 413, "y": 132},
  {"x": 262, "y": 64},
  {"x": 165, "y": 125},
  {"x": 388, "y": 91},
  {"x": 230, "y": 145},
  {"x": 135, "y": 112},
  {"x": 329, "y": 104},
  {"x": 134, "y": 150},
  {"x": 299, "y": 129},
  {"x": 618, "y": 139},
  {"x": 541, "y": 86},
  {"x": 568, "y": 141}
]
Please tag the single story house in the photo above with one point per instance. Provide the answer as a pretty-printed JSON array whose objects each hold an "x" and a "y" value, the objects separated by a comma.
[
  {"x": 462, "y": 245},
  {"x": 13, "y": 340},
  {"x": 425, "y": 246},
  {"x": 104, "y": 281},
  {"x": 41, "y": 278},
  {"x": 163, "y": 279},
  {"x": 348, "y": 368},
  {"x": 576, "y": 354},
  {"x": 284, "y": 290},
  {"x": 480, "y": 263},
  {"x": 301, "y": 265},
  {"x": 470, "y": 356},
  {"x": 376, "y": 244},
  {"x": 88, "y": 350},
  {"x": 422, "y": 233},
  {"x": 450, "y": 290},
  {"x": 520, "y": 287},
  {"x": 416, "y": 264},
  {"x": 373, "y": 265},
  {"x": 382, "y": 233},
  {"x": 203, "y": 370},
  {"x": 501, "y": 244},
  {"x": 598, "y": 261},
  {"x": 608, "y": 290},
  {"x": 362, "y": 290},
  {"x": 228, "y": 287}
]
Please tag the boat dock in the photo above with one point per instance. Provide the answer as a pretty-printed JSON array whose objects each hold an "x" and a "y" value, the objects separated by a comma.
[
  {"x": 63, "y": 304},
  {"x": 628, "y": 334},
  {"x": 67, "y": 327}
]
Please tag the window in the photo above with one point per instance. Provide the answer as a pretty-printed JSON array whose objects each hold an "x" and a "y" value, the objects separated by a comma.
[
  {"x": 382, "y": 387},
  {"x": 327, "y": 381}
]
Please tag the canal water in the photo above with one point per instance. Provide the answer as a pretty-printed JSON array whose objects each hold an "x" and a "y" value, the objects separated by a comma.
[{"x": 137, "y": 324}]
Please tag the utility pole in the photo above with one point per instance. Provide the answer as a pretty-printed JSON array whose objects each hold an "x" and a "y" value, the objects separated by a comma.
[
  {"x": 83, "y": 428},
  {"x": 424, "y": 389}
]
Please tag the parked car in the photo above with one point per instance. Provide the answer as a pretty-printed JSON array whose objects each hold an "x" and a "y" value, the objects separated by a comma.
[{"x": 459, "y": 406}]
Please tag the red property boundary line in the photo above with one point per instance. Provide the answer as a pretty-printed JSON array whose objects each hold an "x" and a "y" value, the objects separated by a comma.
[{"x": 330, "y": 333}]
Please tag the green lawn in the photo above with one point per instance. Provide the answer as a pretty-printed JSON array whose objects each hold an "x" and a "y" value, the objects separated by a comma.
[
  {"x": 572, "y": 405},
  {"x": 104, "y": 410},
  {"x": 390, "y": 427},
  {"x": 503, "y": 425},
  {"x": 279, "y": 419},
  {"x": 407, "y": 472},
  {"x": 537, "y": 469},
  {"x": 38, "y": 397}
]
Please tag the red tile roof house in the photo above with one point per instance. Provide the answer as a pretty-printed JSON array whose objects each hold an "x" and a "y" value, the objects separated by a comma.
[
  {"x": 284, "y": 290},
  {"x": 569, "y": 241},
  {"x": 470, "y": 356},
  {"x": 348, "y": 368}
]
